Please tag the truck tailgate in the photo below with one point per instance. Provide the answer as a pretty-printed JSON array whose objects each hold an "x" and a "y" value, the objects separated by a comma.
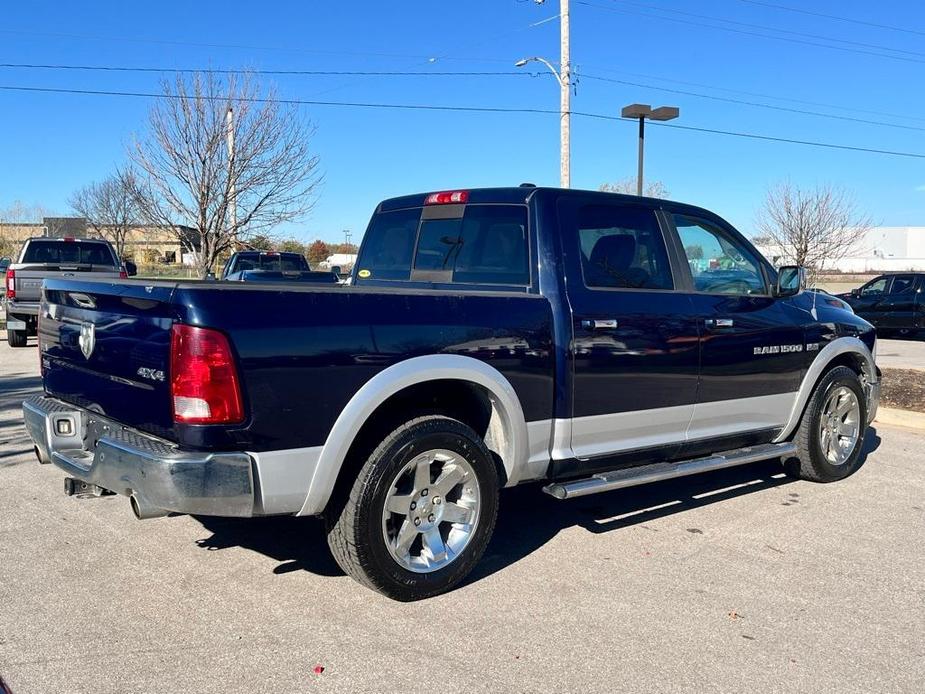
[
  {"x": 106, "y": 347},
  {"x": 28, "y": 278}
]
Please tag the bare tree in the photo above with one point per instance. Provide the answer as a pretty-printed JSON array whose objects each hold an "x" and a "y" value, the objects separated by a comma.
[
  {"x": 110, "y": 207},
  {"x": 627, "y": 186},
  {"x": 22, "y": 213},
  {"x": 10, "y": 217},
  {"x": 226, "y": 159},
  {"x": 813, "y": 227}
]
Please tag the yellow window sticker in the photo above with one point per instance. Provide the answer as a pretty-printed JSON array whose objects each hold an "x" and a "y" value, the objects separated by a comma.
[{"x": 364, "y": 273}]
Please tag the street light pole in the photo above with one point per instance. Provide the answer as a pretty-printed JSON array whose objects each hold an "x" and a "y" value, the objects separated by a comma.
[
  {"x": 642, "y": 147},
  {"x": 643, "y": 111},
  {"x": 564, "y": 77}
]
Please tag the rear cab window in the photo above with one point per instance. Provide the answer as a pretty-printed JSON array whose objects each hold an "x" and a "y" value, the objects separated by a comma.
[
  {"x": 61, "y": 252},
  {"x": 482, "y": 245}
]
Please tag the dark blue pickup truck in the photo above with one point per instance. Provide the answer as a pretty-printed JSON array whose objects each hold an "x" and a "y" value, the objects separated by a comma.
[{"x": 490, "y": 337}]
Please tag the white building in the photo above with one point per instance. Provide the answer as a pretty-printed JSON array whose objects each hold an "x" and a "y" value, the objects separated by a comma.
[{"x": 879, "y": 249}]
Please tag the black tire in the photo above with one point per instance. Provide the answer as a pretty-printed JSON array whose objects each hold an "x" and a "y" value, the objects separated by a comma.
[
  {"x": 17, "y": 338},
  {"x": 810, "y": 462},
  {"x": 355, "y": 520}
]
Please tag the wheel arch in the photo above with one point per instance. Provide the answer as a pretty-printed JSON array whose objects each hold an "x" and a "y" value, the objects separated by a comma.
[
  {"x": 843, "y": 351},
  {"x": 398, "y": 392}
]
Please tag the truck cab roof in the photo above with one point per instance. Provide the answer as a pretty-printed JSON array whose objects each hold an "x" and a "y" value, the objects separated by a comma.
[{"x": 523, "y": 194}]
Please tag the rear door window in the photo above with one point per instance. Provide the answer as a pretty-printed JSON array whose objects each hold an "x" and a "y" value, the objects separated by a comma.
[
  {"x": 622, "y": 248},
  {"x": 902, "y": 284},
  {"x": 61, "y": 252}
]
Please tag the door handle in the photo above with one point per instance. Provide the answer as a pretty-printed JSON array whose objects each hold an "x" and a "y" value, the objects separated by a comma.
[
  {"x": 600, "y": 324},
  {"x": 719, "y": 323}
]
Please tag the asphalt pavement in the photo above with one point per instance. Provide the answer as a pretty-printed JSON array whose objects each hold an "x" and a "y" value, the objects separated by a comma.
[
  {"x": 740, "y": 580},
  {"x": 901, "y": 354}
]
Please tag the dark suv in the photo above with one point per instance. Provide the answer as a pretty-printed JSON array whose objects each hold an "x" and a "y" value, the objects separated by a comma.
[{"x": 891, "y": 303}]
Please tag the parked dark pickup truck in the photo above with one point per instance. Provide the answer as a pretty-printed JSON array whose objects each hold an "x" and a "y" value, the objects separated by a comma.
[
  {"x": 491, "y": 337},
  {"x": 44, "y": 257},
  {"x": 273, "y": 266}
]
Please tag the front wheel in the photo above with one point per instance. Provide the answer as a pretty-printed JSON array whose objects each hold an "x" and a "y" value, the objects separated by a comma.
[
  {"x": 831, "y": 434},
  {"x": 421, "y": 510}
]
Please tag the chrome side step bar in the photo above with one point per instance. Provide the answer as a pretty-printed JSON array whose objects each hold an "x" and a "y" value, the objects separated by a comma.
[{"x": 630, "y": 477}]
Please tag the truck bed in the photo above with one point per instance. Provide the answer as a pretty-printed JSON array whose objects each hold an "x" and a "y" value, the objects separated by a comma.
[{"x": 301, "y": 351}]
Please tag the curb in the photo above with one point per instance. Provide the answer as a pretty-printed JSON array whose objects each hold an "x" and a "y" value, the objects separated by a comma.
[{"x": 900, "y": 418}]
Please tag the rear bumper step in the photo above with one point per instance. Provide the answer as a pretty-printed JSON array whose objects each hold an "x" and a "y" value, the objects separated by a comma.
[
  {"x": 631, "y": 477},
  {"x": 100, "y": 453}
]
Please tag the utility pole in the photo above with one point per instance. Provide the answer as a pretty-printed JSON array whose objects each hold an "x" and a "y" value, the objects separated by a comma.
[
  {"x": 232, "y": 193},
  {"x": 565, "y": 105},
  {"x": 347, "y": 235},
  {"x": 564, "y": 77}
]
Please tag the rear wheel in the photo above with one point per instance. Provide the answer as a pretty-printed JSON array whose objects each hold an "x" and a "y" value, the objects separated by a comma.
[
  {"x": 831, "y": 433},
  {"x": 421, "y": 511},
  {"x": 16, "y": 338}
]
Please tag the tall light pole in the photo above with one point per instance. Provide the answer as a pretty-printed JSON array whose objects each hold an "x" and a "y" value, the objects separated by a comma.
[
  {"x": 643, "y": 111},
  {"x": 564, "y": 77}
]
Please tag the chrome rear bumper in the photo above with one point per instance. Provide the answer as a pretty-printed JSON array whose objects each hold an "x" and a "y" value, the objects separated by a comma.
[{"x": 155, "y": 472}]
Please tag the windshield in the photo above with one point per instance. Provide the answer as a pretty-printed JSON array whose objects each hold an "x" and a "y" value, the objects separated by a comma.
[{"x": 68, "y": 253}]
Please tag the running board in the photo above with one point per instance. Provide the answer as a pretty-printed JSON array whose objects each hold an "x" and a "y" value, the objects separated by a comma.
[{"x": 630, "y": 477}]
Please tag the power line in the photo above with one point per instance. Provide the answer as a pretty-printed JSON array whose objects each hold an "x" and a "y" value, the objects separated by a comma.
[
  {"x": 744, "y": 32},
  {"x": 763, "y": 27},
  {"x": 757, "y": 104},
  {"x": 511, "y": 73},
  {"x": 776, "y": 97},
  {"x": 476, "y": 109},
  {"x": 838, "y": 18}
]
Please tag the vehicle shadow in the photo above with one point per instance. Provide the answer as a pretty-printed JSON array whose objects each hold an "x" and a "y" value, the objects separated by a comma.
[
  {"x": 528, "y": 518},
  {"x": 14, "y": 441}
]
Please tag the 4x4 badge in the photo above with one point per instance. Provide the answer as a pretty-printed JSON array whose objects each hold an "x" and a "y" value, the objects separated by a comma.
[{"x": 87, "y": 339}]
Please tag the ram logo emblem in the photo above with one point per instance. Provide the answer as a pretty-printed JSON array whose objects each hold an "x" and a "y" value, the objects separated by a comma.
[{"x": 87, "y": 339}]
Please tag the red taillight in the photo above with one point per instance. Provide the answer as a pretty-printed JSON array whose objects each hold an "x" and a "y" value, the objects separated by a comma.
[
  {"x": 123, "y": 275},
  {"x": 203, "y": 378},
  {"x": 69, "y": 239},
  {"x": 11, "y": 284},
  {"x": 447, "y": 197}
]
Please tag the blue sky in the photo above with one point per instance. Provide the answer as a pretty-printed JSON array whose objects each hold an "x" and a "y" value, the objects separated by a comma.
[{"x": 54, "y": 143}]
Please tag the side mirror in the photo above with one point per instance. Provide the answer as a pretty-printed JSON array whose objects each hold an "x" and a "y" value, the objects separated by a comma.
[
  {"x": 336, "y": 270},
  {"x": 856, "y": 292},
  {"x": 130, "y": 268},
  {"x": 791, "y": 280}
]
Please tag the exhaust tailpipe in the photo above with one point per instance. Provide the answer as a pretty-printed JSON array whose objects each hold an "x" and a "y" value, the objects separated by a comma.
[{"x": 144, "y": 511}]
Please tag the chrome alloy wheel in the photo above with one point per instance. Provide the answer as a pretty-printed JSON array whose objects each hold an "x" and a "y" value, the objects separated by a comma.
[
  {"x": 839, "y": 425},
  {"x": 431, "y": 511}
]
